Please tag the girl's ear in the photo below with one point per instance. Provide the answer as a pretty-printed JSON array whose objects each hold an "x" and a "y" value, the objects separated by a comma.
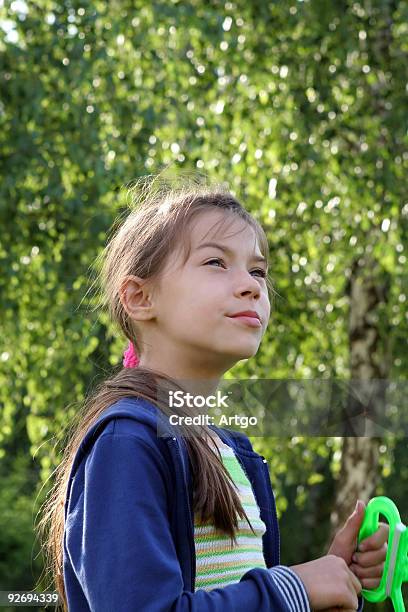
[{"x": 135, "y": 296}]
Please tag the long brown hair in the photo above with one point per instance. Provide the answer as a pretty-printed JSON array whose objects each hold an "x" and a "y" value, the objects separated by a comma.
[{"x": 140, "y": 244}]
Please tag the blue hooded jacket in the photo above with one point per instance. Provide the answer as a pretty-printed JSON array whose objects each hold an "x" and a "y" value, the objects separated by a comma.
[{"x": 128, "y": 539}]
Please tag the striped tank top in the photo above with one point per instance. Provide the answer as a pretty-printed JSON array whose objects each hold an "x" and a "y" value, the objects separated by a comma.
[{"x": 217, "y": 564}]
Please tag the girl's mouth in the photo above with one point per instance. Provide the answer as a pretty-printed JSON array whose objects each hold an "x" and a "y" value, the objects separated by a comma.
[{"x": 250, "y": 321}]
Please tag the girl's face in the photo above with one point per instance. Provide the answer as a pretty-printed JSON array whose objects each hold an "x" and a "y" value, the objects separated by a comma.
[{"x": 194, "y": 301}]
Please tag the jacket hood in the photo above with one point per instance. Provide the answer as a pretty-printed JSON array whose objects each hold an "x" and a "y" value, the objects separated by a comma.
[{"x": 147, "y": 414}]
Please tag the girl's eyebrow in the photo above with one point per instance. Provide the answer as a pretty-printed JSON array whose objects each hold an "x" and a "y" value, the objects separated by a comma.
[{"x": 215, "y": 245}]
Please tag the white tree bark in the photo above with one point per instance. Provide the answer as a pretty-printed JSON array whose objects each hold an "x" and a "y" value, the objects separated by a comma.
[{"x": 369, "y": 366}]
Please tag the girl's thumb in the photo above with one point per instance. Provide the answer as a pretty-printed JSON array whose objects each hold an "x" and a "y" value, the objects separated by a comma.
[
  {"x": 353, "y": 523},
  {"x": 344, "y": 542},
  {"x": 359, "y": 506}
]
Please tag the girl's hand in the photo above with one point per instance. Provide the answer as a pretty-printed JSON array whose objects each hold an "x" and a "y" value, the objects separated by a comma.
[
  {"x": 329, "y": 583},
  {"x": 368, "y": 563}
]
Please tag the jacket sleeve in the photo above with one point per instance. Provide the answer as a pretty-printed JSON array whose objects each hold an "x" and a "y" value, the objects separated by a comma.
[
  {"x": 122, "y": 552},
  {"x": 360, "y": 603}
]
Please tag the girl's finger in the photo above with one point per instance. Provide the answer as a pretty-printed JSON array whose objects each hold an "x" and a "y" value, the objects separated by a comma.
[
  {"x": 339, "y": 610},
  {"x": 377, "y": 539},
  {"x": 370, "y": 583},
  {"x": 372, "y": 557},
  {"x": 356, "y": 584},
  {"x": 374, "y": 571}
]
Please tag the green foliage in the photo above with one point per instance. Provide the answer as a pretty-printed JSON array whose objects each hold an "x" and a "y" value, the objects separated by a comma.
[{"x": 18, "y": 566}]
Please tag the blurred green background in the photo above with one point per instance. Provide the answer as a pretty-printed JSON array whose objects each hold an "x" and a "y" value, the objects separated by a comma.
[{"x": 300, "y": 107}]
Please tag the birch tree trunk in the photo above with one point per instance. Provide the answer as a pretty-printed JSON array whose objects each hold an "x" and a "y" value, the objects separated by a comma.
[{"x": 369, "y": 367}]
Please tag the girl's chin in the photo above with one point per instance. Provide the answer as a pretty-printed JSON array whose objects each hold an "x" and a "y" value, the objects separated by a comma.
[
  {"x": 246, "y": 352},
  {"x": 244, "y": 349}
]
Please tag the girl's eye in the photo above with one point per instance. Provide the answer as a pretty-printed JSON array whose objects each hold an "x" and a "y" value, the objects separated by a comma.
[
  {"x": 261, "y": 272},
  {"x": 212, "y": 260}
]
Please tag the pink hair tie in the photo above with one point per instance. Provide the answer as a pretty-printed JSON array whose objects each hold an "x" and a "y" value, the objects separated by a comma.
[{"x": 130, "y": 357}]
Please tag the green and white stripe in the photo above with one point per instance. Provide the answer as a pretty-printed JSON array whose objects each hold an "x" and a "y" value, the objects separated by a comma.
[{"x": 217, "y": 565}]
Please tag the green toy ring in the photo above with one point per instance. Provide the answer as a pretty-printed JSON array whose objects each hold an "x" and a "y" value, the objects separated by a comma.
[{"x": 396, "y": 562}]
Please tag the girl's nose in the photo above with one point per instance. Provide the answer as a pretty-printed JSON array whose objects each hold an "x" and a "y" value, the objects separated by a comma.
[{"x": 247, "y": 284}]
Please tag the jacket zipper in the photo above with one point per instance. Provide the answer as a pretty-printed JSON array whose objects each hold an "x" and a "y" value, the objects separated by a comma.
[
  {"x": 276, "y": 534},
  {"x": 189, "y": 515}
]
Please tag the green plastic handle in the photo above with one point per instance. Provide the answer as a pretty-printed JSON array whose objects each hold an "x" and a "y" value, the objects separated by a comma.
[{"x": 396, "y": 561}]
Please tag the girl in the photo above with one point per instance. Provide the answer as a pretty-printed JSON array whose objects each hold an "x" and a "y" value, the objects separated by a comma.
[{"x": 141, "y": 522}]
